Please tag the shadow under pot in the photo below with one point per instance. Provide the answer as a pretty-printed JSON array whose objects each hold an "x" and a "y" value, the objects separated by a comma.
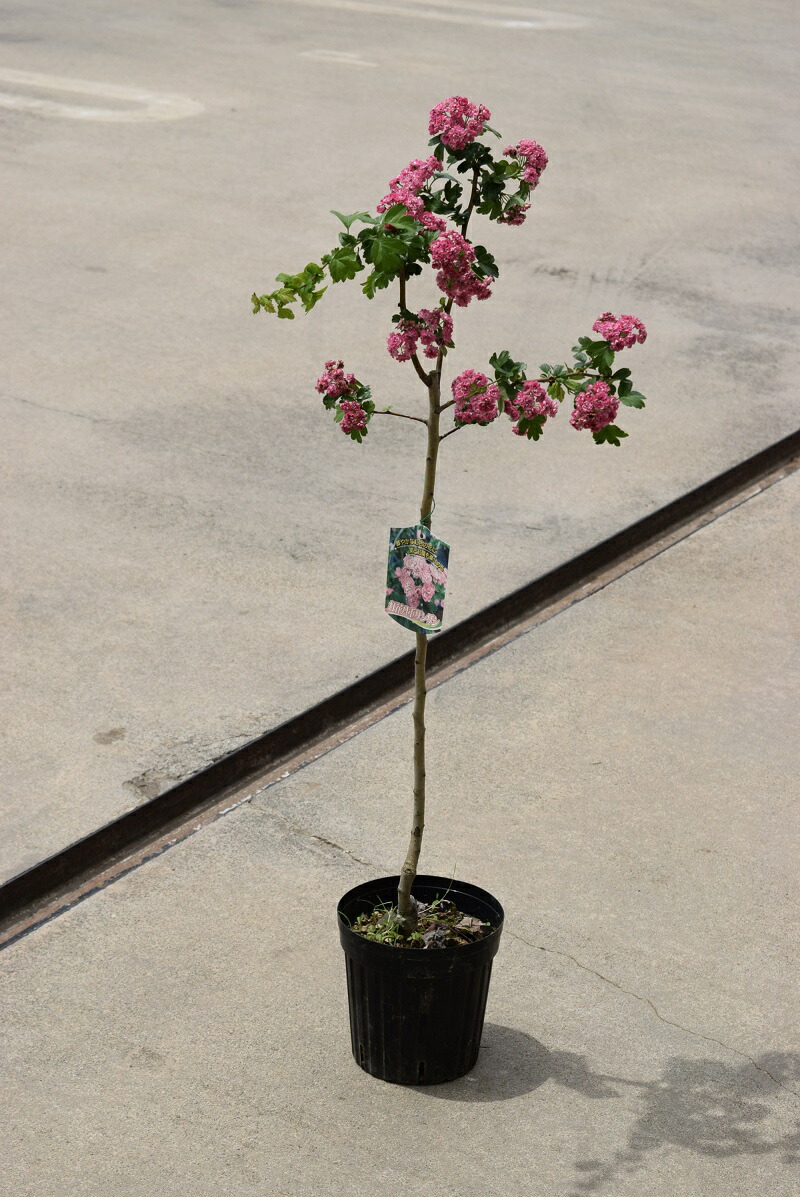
[{"x": 416, "y": 1014}]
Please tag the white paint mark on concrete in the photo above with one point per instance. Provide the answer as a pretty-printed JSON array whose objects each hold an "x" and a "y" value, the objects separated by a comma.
[
  {"x": 458, "y": 12},
  {"x": 146, "y": 105},
  {"x": 344, "y": 57}
]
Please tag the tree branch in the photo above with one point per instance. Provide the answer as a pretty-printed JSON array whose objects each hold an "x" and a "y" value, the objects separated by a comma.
[
  {"x": 401, "y": 415},
  {"x": 472, "y": 197},
  {"x": 445, "y": 435}
]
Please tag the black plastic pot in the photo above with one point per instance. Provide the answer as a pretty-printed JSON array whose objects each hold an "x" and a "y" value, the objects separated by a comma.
[{"x": 416, "y": 1014}]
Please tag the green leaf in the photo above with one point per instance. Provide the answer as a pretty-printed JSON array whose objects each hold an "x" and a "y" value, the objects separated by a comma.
[
  {"x": 311, "y": 300},
  {"x": 532, "y": 428},
  {"x": 387, "y": 253},
  {"x": 489, "y": 129},
  {"x": 625, "y": 386},
  {"x": 399, "y": 217},
  {"x": 556, "y": 391},
  {"x": 366, "y": 217},
  {"x": 285, "y": 314},
  {"x": 632, "y": 400},
  {"x": 343, "y": 264},
  {"x": 262, "y": 301},
  {"x": 337, "y": 419},
  {"x": 486, "y": 261},
  {"x": 610, "y": 435}
]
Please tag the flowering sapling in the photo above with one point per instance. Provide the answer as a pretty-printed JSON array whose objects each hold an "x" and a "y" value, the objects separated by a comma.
[{"x": 422, "y": 223}]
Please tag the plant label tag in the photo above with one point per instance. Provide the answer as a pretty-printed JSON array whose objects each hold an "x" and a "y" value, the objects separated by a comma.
[{"x": 416, "y": 578}]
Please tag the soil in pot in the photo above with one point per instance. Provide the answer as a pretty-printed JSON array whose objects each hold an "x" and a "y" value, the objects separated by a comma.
[{"x": 440, "y": 925}]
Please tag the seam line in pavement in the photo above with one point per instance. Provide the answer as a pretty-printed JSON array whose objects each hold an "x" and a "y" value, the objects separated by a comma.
[
  {"x": 647, "y": 1002},
  {"x": 82, "y": 868}
]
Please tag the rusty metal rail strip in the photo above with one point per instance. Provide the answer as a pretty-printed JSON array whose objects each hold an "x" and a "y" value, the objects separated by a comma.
[{"x": 58, "y": 883}]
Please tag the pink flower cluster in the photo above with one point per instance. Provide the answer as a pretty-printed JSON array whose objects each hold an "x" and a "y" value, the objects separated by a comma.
[
  {"x": 405, "y": 189},
  {"x": 595, "y": 407},
  {"x": 622, "y": 333},
  {"x": 452, "y": 255},
  {"x": 354, "y": 418},
  {"x": 515, "y": 215},
  {"x": 334, "y": 382},
  {"x": 419, "y": 578},
  {"x": 458, "y": 122},
  {"x": 532, "y": 156},
  {"x": 433, "y": 328},
  {"x": 477, "y": 400},
  {"x": 531, "y": 401}
]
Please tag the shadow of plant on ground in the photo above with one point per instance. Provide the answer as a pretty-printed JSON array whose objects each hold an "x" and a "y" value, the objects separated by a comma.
[
  {"x": 705, "y": 1106},
  {"x": 698, "y": 1105}
]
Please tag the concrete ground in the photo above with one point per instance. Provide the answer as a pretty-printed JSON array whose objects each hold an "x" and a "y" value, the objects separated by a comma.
[
  {"x": 622, "y": 778},
  {"x": 192, "y": 553}
]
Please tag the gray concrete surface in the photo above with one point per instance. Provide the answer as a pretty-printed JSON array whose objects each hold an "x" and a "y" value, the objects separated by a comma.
[
  {"x": 191, "y": 553},
  {"x": 622, "y": 780}
]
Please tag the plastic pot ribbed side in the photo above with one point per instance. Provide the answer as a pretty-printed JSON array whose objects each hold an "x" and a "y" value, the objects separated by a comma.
[{"x": 416, "y": 1014}]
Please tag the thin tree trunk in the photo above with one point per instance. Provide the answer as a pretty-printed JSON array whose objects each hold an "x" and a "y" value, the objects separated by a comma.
[{"x": 406, "y": 907}]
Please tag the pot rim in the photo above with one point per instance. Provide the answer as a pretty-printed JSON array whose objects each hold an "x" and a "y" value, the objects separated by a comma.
[{"x": 379, "y": 885}]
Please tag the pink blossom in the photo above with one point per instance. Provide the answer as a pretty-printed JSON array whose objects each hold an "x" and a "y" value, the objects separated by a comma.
[
  {"x": 530, "y": 401},
  {"x": 434, "y": 328},
  {"x": 354, "y": 418},
  {"x": 415, "y": 207},
  {"x": 458, "y": 122},
  {"x": 437, "y": 330},
  {"x": 452, "y": 255},
  {"x": 429, "y": 220},
  {"x": 514, "y": 215},
  {"x": 533, "y": 158},
  {"x": 414, "y": 176},
  {"x": 402, "y": 343},
  {"x": 594, "y": 408},
  {"x": 334, "y": 382},
  {"x": 405, "y": 189},
  {"x": 622, "y": 333},
  {"x": 477, "y": 400}
]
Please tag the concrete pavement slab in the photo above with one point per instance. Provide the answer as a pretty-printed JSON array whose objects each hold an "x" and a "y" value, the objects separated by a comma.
[
  {"x": 177, "y": 512},
  {"x": 621, "y": 779}
]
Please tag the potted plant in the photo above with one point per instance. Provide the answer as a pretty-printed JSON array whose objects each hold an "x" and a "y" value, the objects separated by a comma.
[{"x": 419, "y": 949}]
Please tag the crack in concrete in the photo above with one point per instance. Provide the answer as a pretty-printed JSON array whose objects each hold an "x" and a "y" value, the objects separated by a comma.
[
  {"x": 306, "y": 834},
  {"x": 646, "y": 1001},
  {"x": 61, "y": 411},
  {"x": 330, "y": 843}
]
